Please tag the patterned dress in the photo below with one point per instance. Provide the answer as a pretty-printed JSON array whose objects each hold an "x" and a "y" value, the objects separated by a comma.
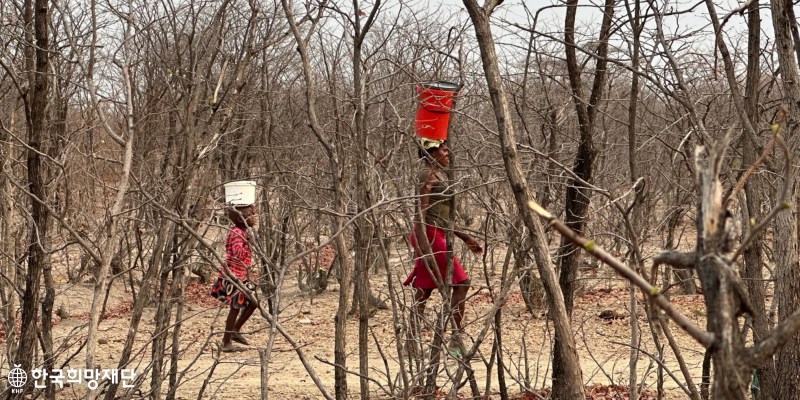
[{"x": 238, "y": 257}]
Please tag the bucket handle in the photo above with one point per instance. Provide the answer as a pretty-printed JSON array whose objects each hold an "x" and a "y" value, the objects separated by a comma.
[{"x": 436, "y": 111}]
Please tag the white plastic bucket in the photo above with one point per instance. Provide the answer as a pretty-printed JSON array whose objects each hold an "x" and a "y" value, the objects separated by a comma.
[{"x": 240, "y": 193}]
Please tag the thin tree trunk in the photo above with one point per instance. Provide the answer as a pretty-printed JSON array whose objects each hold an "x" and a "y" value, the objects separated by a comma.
[
  {"x": 273, "y": 331},
  {"x": 576, "y": 206},
  {"x": 570, "y": 381},
  {"x": 112, "y": 241},
  {"x": 498, "y": 338},
  {"x": 753, "y": 254},
  {"x": 705, "y": 379},
  {"x": 362, "y": 239},
  {"x": 9, "y": 264},
  {"x": 787, "y": 270},
  {"x": 264, "y": 359},
  {"x": 163, "y": 317},
  {"x": 179, "y": 282},
  {"x": 634, "y": 353},
  {"x": 693, "y": 393},
  {"x": 141, "y": 301},
  {"x": 340, "y": 320},
  {"x": 36, "y": 15},
  {"x": 47, "y": 328},
  {"x": 363, "y": 231},
  {"x": 633, "y": 102}
]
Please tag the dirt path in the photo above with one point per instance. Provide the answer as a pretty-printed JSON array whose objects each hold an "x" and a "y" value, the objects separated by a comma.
[{"x": 310, "y": 322}]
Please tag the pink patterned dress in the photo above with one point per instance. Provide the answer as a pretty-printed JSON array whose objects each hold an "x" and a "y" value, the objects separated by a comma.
[{"x": 238, "y": 258}]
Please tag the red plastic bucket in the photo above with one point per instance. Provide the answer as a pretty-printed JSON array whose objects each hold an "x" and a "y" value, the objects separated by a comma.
[{"x": 433, "y": 113}]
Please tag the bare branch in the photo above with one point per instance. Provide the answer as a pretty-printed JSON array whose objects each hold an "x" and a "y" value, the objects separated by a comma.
[
  {"x": 676, "y": 259},
  {"x": 757, "y": 355},
  {"x": 780, "y": 205},
  {"x": 704, "y": 338}
]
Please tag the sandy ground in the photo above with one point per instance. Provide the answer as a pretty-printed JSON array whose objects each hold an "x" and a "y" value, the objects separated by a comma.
[{"x": 309, "y": 321}]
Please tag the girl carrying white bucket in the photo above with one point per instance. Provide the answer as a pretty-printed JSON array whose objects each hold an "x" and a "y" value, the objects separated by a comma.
[{"x": 238, "y": 258}]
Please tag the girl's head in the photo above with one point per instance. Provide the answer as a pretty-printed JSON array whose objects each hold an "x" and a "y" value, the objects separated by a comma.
[
  {"x": 439, "y": 153},
  {"x": 243, "y": 216}
]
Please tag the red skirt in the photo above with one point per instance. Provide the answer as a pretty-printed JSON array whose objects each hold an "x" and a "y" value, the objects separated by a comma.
[{"x": 419, "y": 277}]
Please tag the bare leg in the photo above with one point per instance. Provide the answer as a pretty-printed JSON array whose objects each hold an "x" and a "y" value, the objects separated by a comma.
[
  {"x": 244, "y": 317},
  {"x": 237, "y": 327},
  {"x": 230, "y": 324},
  {"x": 457, "y": 303},
  {"x": 417, "y": 311}
]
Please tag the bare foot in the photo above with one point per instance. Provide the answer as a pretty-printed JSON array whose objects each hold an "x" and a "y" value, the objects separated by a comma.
[
  {"x": 230, "y": 348},
  {"x": 457, "y": 342},
  {"x": 239, "y": 338}
]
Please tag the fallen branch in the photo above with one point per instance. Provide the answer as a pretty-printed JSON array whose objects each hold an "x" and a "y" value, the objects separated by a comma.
[{"x": 703, "y": 337}]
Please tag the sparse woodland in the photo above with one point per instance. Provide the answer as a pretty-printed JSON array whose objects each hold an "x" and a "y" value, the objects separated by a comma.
[{"x": 629, "y": 166}]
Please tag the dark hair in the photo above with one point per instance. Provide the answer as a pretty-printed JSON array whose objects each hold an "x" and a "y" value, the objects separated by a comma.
[
  {"x": 235, "y": 214},
  {"x": 422, "y": 153}
]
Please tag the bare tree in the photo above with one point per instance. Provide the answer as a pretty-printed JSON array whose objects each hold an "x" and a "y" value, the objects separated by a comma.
[
  {"x": 787, "y": 268},
  {"x": 37, "y": 59},
  {"x": 570, "y": 381}
]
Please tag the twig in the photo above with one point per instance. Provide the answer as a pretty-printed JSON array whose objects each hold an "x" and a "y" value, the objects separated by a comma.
[
  {"x": 324, "y": 361},
  {"x": 753, "y": 167},
  {"x": 210, "y": 373},
  {"x": 780, "y": 205},
  {"x": 706, "y": 339},
  {"x": 661, "y": 363}
]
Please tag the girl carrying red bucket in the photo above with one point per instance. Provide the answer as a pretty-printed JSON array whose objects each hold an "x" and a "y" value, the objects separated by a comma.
[{"x": 432, "y": 217}]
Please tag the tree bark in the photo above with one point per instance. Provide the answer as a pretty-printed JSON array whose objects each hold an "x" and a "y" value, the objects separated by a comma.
[
  {"x": 163, "y": 317},
  {"x": 10, "y": 267},
  {"x": 179, "y": 285},
  {"x": 37, "y": 15},
  {"x": 576, "y": 206},
  {"x": 142, "y": 300},
  {"x": 47, "y": 328},
  {"x": 334, "y": 165},
  {"x": 753, "y": 254},
  {"x": 363, "y": 231},
  {"x": 570, "y": 384},
  {"x": 787, "y": 270},
  {"x": 633, "y": 102}
]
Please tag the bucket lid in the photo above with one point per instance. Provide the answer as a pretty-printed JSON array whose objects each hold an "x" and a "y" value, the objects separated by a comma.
[
  {"x": 240, "y": 183},
  {"x": 441, "y": 85}
]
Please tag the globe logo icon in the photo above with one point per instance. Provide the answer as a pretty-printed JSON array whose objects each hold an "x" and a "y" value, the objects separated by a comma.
[{"x": 17, "y": 377}]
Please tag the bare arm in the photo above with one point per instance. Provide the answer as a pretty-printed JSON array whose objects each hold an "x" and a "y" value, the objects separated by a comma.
[
  {"x": 461, "y": 234},
  {"x": 471, "y": 242}
]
